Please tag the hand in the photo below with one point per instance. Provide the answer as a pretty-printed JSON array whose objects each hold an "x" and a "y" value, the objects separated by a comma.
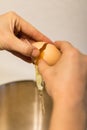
[
  {"x": 66, "y": 84},
  {"x": 16, "y": 36},
  {"x": 68, "y": 75}
]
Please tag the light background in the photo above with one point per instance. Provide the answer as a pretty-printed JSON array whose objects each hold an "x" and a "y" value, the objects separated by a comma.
[{"x": 58, "y": 19}]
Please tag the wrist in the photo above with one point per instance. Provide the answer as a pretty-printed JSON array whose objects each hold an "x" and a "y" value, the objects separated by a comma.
[
  {"x": 68, "y": 116},
  {"x": 68, "y": 95}
]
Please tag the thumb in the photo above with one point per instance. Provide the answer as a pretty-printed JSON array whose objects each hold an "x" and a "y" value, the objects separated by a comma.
[
  {"x": 43, "y": 67},
  {"x": 15, "y": 44}
]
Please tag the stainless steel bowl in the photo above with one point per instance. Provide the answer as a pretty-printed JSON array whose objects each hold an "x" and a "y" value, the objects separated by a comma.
[{"x": 21, "y": 107}]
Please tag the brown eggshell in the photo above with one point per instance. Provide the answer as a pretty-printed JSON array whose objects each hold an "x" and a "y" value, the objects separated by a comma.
[{"x": 48, "y": 52}]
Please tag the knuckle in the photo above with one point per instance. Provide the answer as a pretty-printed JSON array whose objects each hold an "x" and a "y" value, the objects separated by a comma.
[
  {"x": 67, "y": 42},
  {"x": 74, "y": 54},
  {"x": 11, "y": 14}
]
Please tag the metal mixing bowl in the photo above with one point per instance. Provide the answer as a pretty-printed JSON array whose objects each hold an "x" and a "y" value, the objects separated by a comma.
[{"x": 21, "y": 107}]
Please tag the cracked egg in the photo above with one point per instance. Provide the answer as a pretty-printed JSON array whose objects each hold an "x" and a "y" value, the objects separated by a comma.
[{"x": 48, "y": 52}]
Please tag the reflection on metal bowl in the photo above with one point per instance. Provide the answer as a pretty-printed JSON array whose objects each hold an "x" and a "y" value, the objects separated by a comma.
[{"x": 21, "y": 109}]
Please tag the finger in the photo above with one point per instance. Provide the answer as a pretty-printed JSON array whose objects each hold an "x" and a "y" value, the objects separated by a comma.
[
  {"x": 25, "y": 58},
  {"x": 42, "y": 66},
  {"x": 35, "y": 51},
  {"x": 15, "y": 44},
  {"x": 31, "y": 31},
  {"x": 85, "y": 59},
  {"x": 63, "y": 46},
  {"x": 23, "y": 36}
]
